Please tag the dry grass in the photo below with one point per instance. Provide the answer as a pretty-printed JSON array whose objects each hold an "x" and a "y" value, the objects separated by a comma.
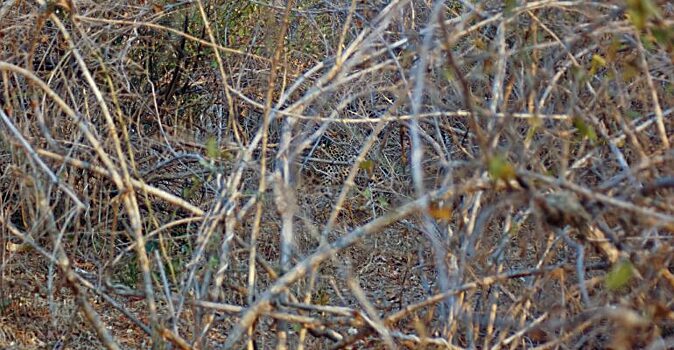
[{"x": 336, "y": 174}]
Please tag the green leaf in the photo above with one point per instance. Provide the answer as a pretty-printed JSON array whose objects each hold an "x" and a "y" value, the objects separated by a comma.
[
  {"x": 535, "y": 123},
  {"x": 212, "y": 150},
  {"x": 597, "y": 62},
  {"x": 448, "y": 74},
  {"x": 585, "y": 129},
  {"x": 663, "y": 35},
  {"x": 632, "y": 114},
  {"x": 648, "y": 41},
  {"x": 367, "y": 193},
  {"x": 381, "y": 200},
  {"x": 195, "y": 185},
  {"x": 151, "y": 246},
  {"x": 501, "y": 169},
  {"x": 579, "y": 73},
  {"x": 613, "y": 49},
  {"x": 630, "y": 70},
  {"x": 367, "y": 165},
  {"x": 640, "y": 11},
  {"x": 514, "y": 230},
  {"x": 509, "y": 6},
  {"x": 669, "y": 90},
  {"x": 619, "y": 275},
  {"x": 213, "y": 262},
  {"x": 4, "y": 304}
]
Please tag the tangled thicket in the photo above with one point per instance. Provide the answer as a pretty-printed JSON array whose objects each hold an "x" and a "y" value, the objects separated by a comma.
[{"x": 336, "y": 174}]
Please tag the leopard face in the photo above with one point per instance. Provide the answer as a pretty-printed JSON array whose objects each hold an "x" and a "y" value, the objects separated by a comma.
[
  {"x": 330, "y": 163},
  {"x": 324, "y": 173}
]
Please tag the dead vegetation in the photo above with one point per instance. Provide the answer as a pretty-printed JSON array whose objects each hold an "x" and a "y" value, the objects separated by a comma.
[{"x": 336, "y": 174}]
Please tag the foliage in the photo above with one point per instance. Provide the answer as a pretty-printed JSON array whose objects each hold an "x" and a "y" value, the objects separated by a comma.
[{"x": 337, "y": 174}]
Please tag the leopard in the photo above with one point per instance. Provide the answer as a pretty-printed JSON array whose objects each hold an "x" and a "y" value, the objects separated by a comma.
[{"x": 324, "y": 171}]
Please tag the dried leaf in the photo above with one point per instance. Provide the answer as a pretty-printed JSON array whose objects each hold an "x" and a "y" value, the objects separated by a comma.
[
  {"x": 157, "y": 8},
  {"x": 439, "y": 212}
]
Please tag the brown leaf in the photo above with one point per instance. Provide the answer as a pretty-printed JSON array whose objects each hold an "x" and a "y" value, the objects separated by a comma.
[{"x": 439, "y": 211}]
